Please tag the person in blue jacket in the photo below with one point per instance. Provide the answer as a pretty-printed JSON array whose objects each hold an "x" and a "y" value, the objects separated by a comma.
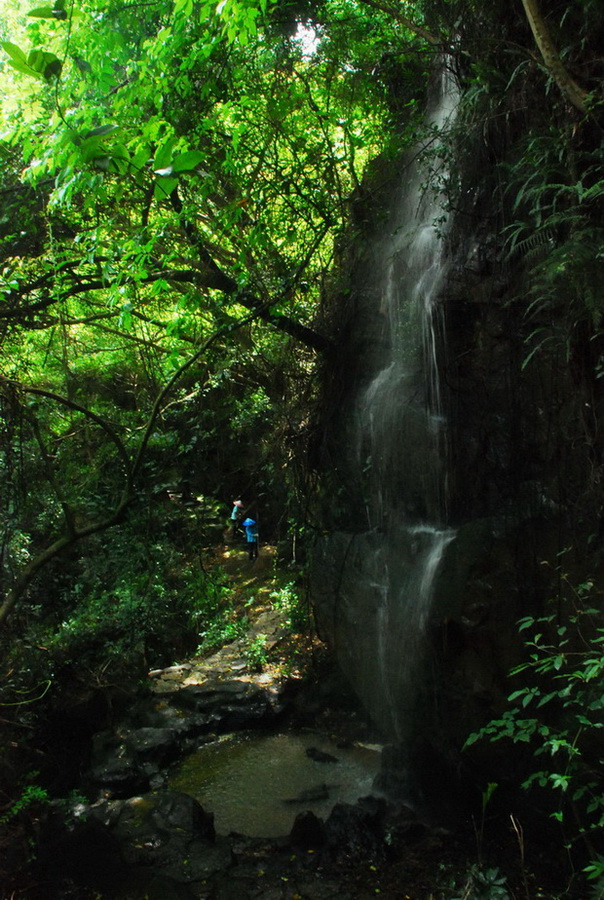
[{"x": 251, "y": 536}]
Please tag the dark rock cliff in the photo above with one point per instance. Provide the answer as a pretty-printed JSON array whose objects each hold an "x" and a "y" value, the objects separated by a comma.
[{"x": 519, "y": 466}]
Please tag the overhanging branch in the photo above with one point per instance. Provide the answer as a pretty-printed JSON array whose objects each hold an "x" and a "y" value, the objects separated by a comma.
[
  {"x": 569, "y": 88},
  {"x": 262, "y": 309}
]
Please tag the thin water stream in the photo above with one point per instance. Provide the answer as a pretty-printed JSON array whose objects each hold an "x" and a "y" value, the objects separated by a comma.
[{"x": 256, "y": 784}]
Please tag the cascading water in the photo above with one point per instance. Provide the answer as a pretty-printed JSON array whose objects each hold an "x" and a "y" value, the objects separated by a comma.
[
  {"x": 400, "y": 424},
  {"x": 389, "y": 563},
  {"x": 402, "y": 430}
]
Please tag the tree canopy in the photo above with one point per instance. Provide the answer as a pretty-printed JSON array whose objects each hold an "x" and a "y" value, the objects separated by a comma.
[
  {"x": 174, "y": 173},
  {"x": 179, "y": 176}
]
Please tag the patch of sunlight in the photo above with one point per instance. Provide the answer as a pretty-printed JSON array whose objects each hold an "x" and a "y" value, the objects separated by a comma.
[{"x": 308, "y": 37}]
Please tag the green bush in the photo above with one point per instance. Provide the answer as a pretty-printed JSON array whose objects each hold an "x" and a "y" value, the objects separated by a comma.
[
  {"x": 287, "y": 600},
  {"x": 558, "y": 711},
  {"x": 31, "y": 795},
  {"x": 137, "y": 600},
  {"x": 219, "y": 619},
  {"x": 484, "y": 884},
  {"x": 256, "y": 652}
]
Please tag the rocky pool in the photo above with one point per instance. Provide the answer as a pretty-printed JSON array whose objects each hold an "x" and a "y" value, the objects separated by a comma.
[{"x": 256, "y": 784}]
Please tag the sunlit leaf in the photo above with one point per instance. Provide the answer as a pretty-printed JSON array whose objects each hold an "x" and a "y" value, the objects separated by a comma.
[
  {"x": 101, "y": 131},
  {"x": 164, "y": 187},
  {"x": 43, "y": 12},
  {"x": 46, "y": 64},
  {"x": 188, "y": 161},
  {"x": 15, "y": 53},
  {"x": 24, "y": 68}
]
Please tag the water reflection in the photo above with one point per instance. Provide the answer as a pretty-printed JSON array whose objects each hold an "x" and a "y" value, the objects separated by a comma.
[{"x": 257, "y": 784}]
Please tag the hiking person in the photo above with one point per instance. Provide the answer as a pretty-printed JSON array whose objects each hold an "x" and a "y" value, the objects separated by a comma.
[
  {"x": 236, "y": 515},
  {"x": 251, "y": 536}
]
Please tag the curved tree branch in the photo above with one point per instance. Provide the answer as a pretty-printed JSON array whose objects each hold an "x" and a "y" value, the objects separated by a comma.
[
  {"x": 569, "y": 88},
  {"x": 408, "y": 23},
  {"x": 211, "y": 276},
  {"x": 76, "y": 407}
]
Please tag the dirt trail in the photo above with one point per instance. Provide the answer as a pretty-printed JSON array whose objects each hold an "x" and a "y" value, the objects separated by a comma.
[{"x": 251, "y": 584}]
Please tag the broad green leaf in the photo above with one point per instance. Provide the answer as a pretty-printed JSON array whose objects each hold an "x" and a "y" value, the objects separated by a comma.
[
  {"x": 19, "y": 61},
  {"x": 101, "y": 131},
  {"x": 49, "y": 12},
  {"x": 188, "y": 161},
  {"x": 163, "y": 154},
  {"x": 42, "y": 12},
  {"x": 47, "y": 64},
  {"x": 164, "y": 187},
  {"x": 24, "y": 68},
  {"x": 15, "y": 53}
]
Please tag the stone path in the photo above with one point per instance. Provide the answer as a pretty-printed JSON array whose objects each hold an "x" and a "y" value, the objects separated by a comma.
[
  {"x": 228, "y": 663},
  {"x": 254, "y": 579}
]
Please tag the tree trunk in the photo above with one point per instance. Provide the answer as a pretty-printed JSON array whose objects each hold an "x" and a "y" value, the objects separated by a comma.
[{"x": 568, "y": 86}]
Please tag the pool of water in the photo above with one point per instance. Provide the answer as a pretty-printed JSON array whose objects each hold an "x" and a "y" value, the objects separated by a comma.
[{"x": 257, "y": 784}]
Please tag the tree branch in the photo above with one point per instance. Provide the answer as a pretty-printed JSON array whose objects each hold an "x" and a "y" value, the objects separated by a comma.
[
  {"x": 213, "y": 277},
  {"x": 133, "y": 469},
  {"x": 569, "y": 88},
  {"x": 284, "y": 323},
  {"x": 408, "y": 23}
]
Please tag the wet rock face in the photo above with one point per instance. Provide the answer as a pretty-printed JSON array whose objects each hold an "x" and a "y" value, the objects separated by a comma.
[{"x": 518, "y": 476}]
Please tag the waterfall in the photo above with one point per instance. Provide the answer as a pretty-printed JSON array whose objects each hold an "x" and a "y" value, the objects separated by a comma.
[
  {"x": 401, "y": 429},
  {"x": 401, "y": 432},
  {"x": 376, "y": 577}
]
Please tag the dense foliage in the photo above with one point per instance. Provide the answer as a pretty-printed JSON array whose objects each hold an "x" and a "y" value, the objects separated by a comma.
[
  {"x": 176, "y": 180},
  {"x": 176, "y": 193},
  {"x": 557, "y": 713}
]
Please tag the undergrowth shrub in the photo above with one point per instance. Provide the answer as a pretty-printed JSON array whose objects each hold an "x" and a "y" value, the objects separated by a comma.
[
  {"x": 220, "y": 621},
  {"x": 558, "y": 711},
  {"x": 295, "y": 610}
]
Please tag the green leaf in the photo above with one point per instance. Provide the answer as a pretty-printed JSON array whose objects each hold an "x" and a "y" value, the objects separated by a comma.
[
  {"x": 49, "y": 12},
  {"x": 46, "y": 64},
  {"x": 15, "y": 53},
  {"x": 164, "y": 187},
  {"x": 24, "y": 68},
  {"x": 101, "y": 131},
  {"x": 547, "y": 698},
  {"x": 42, "y": 12},
  {"x": 163, "y": 154},
  {"x": 188, "y": 161},
  {"x": 515, "y": 694}
]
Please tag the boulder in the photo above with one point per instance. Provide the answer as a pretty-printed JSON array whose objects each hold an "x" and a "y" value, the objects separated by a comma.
[{"x": 111, "y": 845}]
